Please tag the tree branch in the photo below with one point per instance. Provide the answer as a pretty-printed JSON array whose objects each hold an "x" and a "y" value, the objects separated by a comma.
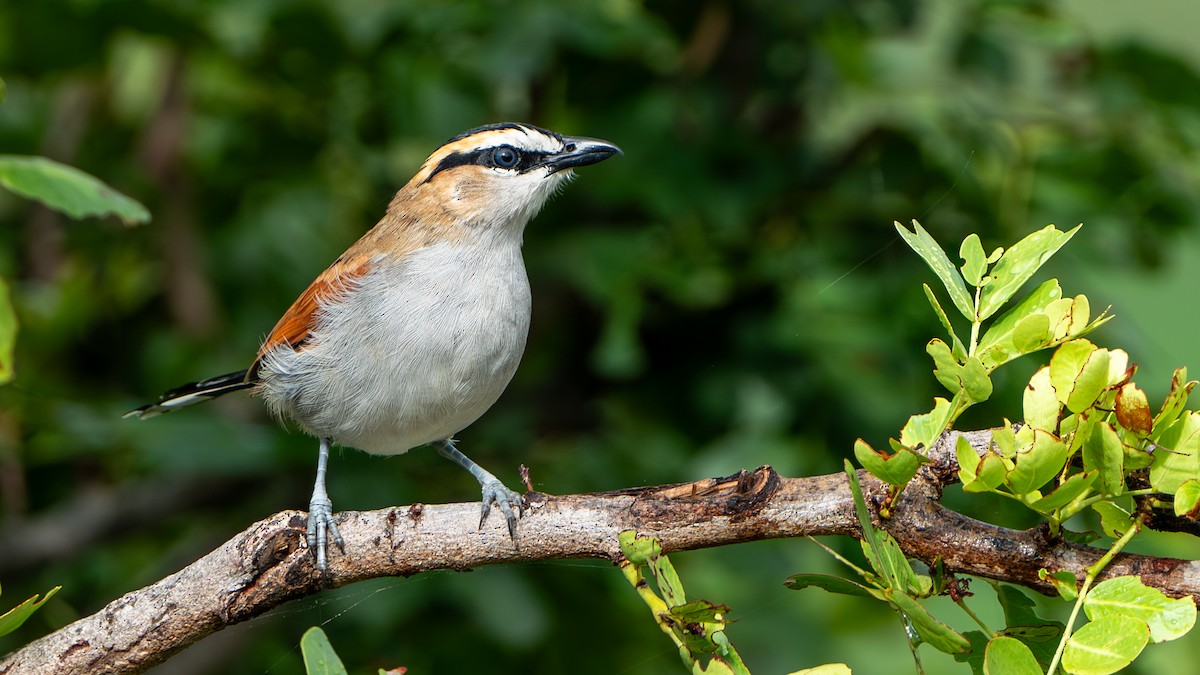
[{"x": 267, "y": 565}]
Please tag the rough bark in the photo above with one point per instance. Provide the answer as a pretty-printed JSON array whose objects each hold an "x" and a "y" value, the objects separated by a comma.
[{"x": 267, "y": 564}]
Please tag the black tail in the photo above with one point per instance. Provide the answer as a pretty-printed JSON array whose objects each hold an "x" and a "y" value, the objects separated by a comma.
[{"x": 193, "y": 393}]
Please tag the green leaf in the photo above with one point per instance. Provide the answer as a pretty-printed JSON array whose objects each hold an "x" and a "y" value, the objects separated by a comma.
[
  {"x": 1105, "y": 645},
  {"x": 1079, "y": 314},
  {"x": 974, "y": 658},
  {"x": 896, "y": 469},
  {"x": 319, "y": 657},
  {"x": 1066, "y": 493},
  {"x": 1004, "y": 441},
  {"x": 13, "y": 618},
  {"x": 1041, "y": 406},
  {"x": 975, "y": 381},
  {"x": 646, "y": 551},
  {"x": 1018, "y": 607},
  {"x": 1039, "y": 635},
  {"x": 1175, "y": 402},
  {"x": 8, "y": 334},
  {"x": 1018, "y": 264},
  {"x": 1079, "y": 373},
  {"x": 1114, "y": 520},
  {"x": 922, "y": 430},
  {"x": 968, "y": 460},
  {"x": 1009, "y": 656},
  {"x": 1063, "y": 581},
  {"x": 946, "y": 367},
  {"x": 700, "y": 611},
  {"x": 670, "y": 586},
  {"x": 827, "y": 582},
  {"x": 925, "y": 246},
  {"x": 1103, "y": 452},
  {"x": 3, "y": 90},
  {"x": 881, "y": 549},
  {"x": 1042, "y": 640},
  {"x": 1066, "y": 364},
  {"x": 1167, "y": 618},
  {"x": 1034, "y": 304},
  {"x": 1177, "y": 458},
  {"x": 937, "y": 634},
  {"x": 960, "y": 351},
  {"x": 1187, "y": 499},
  {"x": 989, "y": 474},
  {"x": 638, "y": 549},
  {"x": 1037, "y": 465},
  {"x": 1030, "y": 334},
  {"x": 67, "y": 189},
  {"x": 974, "y": 259}
]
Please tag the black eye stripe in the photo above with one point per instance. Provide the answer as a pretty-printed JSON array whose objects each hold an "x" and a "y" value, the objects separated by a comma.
[{"x": 527, "y": 159}]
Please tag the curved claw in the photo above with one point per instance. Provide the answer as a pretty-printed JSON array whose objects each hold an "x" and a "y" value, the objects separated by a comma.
[
  {"x": 495, "y": 492},
  {"x": 321, "y": 528}
]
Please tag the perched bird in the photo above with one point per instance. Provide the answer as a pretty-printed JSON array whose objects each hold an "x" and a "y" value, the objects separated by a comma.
[{"x": 414, "y": 332}]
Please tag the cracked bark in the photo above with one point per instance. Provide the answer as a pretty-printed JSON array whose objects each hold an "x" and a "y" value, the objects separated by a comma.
[{"x": 267, "y": 565}]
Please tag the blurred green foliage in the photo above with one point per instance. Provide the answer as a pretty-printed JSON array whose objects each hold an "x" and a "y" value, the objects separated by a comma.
[{"x": 730, "y": 293}]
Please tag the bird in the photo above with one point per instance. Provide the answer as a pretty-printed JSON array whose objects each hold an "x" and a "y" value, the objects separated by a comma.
[{"x": 414, "y": 332}]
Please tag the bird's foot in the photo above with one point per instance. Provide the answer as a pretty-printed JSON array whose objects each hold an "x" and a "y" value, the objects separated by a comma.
[
  {"x": 321, "y": 529},
  {"x": 495, "y": 492}
]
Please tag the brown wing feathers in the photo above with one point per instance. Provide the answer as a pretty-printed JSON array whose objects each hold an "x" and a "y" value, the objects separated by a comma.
[{"x": 296, "y": 324}]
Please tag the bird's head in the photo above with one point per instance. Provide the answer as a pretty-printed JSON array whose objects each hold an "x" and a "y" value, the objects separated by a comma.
[{"x": 500, "y": 175}]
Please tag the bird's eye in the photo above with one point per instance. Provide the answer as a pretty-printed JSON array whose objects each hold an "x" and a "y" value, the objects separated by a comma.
[{"x": 505, "y": 157}]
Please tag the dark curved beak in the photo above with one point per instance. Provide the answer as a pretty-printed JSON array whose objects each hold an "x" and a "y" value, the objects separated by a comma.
[{"x": 580, "y": 151}]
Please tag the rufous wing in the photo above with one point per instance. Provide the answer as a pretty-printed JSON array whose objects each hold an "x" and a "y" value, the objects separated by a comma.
[{"x": 295, "y": 327}]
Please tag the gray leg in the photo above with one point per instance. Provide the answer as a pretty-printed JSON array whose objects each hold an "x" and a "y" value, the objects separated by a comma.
[
  {"x": 320, "y": 513},
  {"x": 494, "y": 492}
]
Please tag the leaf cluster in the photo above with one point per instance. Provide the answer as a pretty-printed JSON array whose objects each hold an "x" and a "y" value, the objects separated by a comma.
[
  {"x": 1089, "y": 440},
  {"x": 698, "y": 627}
]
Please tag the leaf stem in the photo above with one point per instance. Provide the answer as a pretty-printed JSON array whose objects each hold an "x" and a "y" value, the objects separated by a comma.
[
  {"x": 963, "y": 603},
  {"x": 1093, "y": 572},
  {"x": 975, "y": 323}
]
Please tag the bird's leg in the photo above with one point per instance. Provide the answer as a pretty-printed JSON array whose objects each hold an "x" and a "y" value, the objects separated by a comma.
[
  {"x": 494, "y": 492},
  {"x": 320, "y": 513}
]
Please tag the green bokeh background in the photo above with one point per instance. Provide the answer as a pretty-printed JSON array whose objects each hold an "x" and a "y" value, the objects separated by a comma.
[{"x": 729, "y": 293}]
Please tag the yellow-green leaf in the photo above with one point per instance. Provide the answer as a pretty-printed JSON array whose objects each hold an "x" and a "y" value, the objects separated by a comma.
[
  {"x": 13, "y": 618},
  {"x": 1041, "y": 406},
  {"x": 1187, "y": 499},
  {"x": 1175, "y": 402},
  {"x": 319, "y": 657},
  {"x": 1009, "y": 656},
  {"x": 1066, "y": 493},
  {"x": 975, "y": 381},
  {"x": 896, "y": 469},
  {"x": 1103, "y": 452},
  {"x": 8, "y": 334},
  {"x": 1105, "y": 645},
  {"x": 1167, "y": 618},
  {"x": 67, "y": 189},
  {"x": 935, "y": 633},
  {"x": 1177, "y": 458},
  {"x": 922, "y": 430},
  {"x": 960, "y": 351},
  {"x": 827, "y": 669},
  {"x": 1038, "y": 464},
  {"x": 974, "y": 259},
  {"x": 1018, "y": 264},
  {"x": 929, "y": 250},
  {"x": 1114, "y": 520}
]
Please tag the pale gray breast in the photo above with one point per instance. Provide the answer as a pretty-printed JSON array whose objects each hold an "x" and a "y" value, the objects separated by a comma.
[{"x": 415, "y": 353}]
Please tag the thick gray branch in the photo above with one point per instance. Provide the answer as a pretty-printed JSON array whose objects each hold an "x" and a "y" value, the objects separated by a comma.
[{"x": 267, "y": 565}]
